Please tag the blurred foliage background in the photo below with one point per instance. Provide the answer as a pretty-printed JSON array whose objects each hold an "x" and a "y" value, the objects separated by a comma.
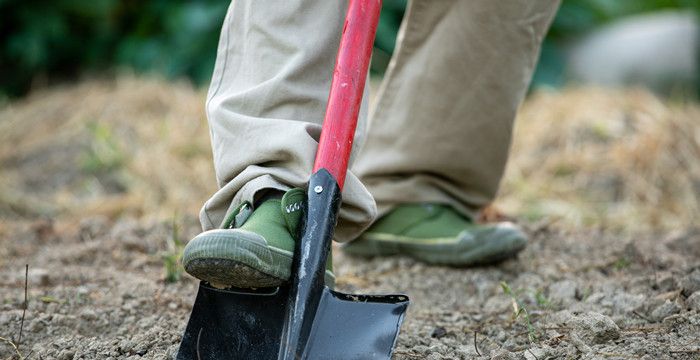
[{"x": 48, "y": 41}]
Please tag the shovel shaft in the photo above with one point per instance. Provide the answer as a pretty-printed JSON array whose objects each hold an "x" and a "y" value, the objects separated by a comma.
[{"x": 347, "y": 86}]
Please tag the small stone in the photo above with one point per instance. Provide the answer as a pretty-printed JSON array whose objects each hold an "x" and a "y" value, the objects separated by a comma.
[
  {"x": 506, "y": 355},
  {"x": 438, "y": 332},
  {"x": 667, "y": 282},
  {"x": 38, "y": 276},
  {"x": 685, "y": 242},
  {"x": 693, "y": 301},
  {"x": 534, "y": 353},
  {"x": 88, "y": 315},
  {"x": 66, "y": 354},
  {"x": 172, "y": 306},
  {"x": 665, "y": 310},
  {"x": 674, "y": 320},
  {"x": 594, "y": 328},
  {"x": 622, "y": 302},
  {"x": 691, "y": 282},
  {"x": 82, "y": 291},
  {"x": 562, "y": 292}
]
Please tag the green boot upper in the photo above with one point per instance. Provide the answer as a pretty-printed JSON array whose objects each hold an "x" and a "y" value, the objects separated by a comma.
[
  {"x": 255, "y": 248},
  {"x": 438, "y": 234}
]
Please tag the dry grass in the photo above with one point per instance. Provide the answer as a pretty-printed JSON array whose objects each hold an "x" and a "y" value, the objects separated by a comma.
[
  {"x": 137, "y": 146},
  {"x": 624, "y": 160}
]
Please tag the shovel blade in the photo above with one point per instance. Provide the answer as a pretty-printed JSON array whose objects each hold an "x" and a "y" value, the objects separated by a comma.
[
  {"x": 227, "y": 324},
  {"x": 355, "y": 327}
]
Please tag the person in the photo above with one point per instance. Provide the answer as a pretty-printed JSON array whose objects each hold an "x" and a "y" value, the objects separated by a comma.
[{"x": 431, "y": 157}]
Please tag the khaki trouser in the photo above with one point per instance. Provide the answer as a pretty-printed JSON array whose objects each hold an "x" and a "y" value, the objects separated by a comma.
[{"x": 441, "y": 128}]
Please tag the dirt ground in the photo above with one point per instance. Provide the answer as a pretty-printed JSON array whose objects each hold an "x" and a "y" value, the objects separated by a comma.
[{"x": 98, "y": 199}]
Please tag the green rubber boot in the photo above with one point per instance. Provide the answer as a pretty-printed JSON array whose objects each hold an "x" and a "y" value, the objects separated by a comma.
[
  {"x": 254, "y": 249},
  {"x": 437, "y": 234}
]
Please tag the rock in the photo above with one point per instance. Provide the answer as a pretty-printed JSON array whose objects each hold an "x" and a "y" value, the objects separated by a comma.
[
  {"x": 691, "y": 282},
  {"x": 506, "y": 355},
  {"x": 667, "y": 282},
  {"x": 623, "y": 302},
  {"x": 534, "y": 353},
  {"x": 686, "y": 242},
  {"x": 438, "y": 332},
  {"x": 82, "y": 291},
  {"x": 562, "y": 292},
  {"x": 38, "y": 276},
  {"x": 665, "y": 310},
  {"x": 594, "y": 328},
  {"x": 655, "y": 50},
  {"x": 66, "y": 354},
  {"x": 693, "y": 301}
]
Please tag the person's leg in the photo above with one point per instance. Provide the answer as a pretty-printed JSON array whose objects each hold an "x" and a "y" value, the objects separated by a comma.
[
  {"x": 441, "y": 130},
  {"x": 265, "y": 105}
]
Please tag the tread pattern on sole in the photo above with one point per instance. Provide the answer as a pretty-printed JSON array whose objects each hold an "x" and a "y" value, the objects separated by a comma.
[{"x": 226, "y": 273}]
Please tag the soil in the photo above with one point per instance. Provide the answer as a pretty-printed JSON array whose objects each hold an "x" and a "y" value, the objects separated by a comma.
[
  {"x": 97, "y": 286},
  {"x": 96, "y": 290}
]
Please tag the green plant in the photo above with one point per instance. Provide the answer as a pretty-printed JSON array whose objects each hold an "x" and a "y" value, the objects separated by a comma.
[
  {"x": 519, "y": 310},
  {"x": 171, "y": 257},
  {"x": 44, "y": 41},
  {"x": 541, "y": 299},
  {"x": 622, "y": 263},
  {"x": 104, "y": 153}
]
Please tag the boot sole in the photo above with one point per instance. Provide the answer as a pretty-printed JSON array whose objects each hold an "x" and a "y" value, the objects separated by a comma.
[
  {"x": 238, "y": 258},
  {"x": 439, "y": 251}
]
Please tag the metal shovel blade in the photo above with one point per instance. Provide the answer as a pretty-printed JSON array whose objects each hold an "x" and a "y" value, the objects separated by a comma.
[
  {"x": 356, "y": 326},
  {"x": 228, "y": 324},
  {"x": 301, "y": 320}
]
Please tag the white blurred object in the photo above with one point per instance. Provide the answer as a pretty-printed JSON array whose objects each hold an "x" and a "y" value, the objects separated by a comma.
[{"x": 658, "y": 50}]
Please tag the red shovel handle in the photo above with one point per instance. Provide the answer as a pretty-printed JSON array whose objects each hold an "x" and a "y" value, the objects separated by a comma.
[{"x": 347, "y": 87}]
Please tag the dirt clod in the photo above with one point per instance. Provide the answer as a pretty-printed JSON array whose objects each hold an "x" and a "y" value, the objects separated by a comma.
[
  {"x": 438, "y": 332},
  {"x": 595, "y": 328},
  {"x": 665, "y": 310},
  {"x": 693, "y": 301},
  {"x": 691, "y": 282}
]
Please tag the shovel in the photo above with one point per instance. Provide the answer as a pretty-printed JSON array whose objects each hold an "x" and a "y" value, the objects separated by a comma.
[{"x": 305, "y": 319}]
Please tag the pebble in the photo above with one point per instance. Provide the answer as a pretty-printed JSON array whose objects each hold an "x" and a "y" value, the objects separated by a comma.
[
  {"x": 667, "y": 282},
  {"x": 685, "y": 242},
  {"x": 506, "y": 355},
  {"x": 691, "y": 282},
  {"x": 438, "y": 332},
  {"x": 66, "y": 354},
  {"x": 693, "y": 301},
  {"x": 665, "y": 310},
  {"x": 594, "y": 328},
  {"x": 534, "y": 353}
]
